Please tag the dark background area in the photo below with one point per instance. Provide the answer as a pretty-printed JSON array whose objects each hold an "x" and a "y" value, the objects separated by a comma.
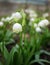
[{"x": 9, "y": 6}]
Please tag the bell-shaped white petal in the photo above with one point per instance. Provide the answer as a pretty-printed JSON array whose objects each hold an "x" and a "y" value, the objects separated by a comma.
[{"x": 17, "y": 28}]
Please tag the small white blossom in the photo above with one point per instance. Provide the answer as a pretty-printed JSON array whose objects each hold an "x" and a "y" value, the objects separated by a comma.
[
  {"x": 1, "y": 24},
  {"x": 17, "y": 28},
  {"x": 46, "y": 22},
  {"x": 28, "y": 10},
  {"x": 45, "y": 15},
  {"x": 38, "y": 29},
  {"x": 35, "y": 25},
  {"x": 32, "y": 15},
  {"x": 8, "y": 18},
  {"x": 31, "y": 23},
  {"x": 16, "y": 15},
  {"x": 43, "y": 23},
  {"x": 17, "y": 46},
  {"x": 32, "y": 19},
  {"x": 2, "y": 19},
  {"x": 22, "y": 43}
]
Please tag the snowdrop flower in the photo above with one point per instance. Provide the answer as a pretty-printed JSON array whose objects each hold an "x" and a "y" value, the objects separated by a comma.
[
  {"x": 43, "y": 23},
  {"x": 32, "y": 19},
  {"x": 8, "y": 19},
  {"x": 38, "y": 29},
  {"x": 16, "y": 15},
  {"x": 17, "y": 28},
  {"x": 22, "y": 43},
  {"x": 35, "y": 25},
  {"x": 31, "y": 23},
  {"x": 46, "y": 22},
  {"x": 17, "y": 46},
  {"x": 45, "y": 15},
  {"x": 31, "y": 15},
  {"x": 29, "y": 11},
  {"x": 1, "y": 24},
  {"x": 2, "y": 19}
]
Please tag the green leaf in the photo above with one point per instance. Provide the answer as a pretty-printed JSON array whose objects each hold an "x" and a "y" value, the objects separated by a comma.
[
  {"x": 43, "y": 51},
  {"x": 1, "y": 63},
  {"x": 6, "y": 53},
  {"x": 14, "y": 50},
  {"x": 41, "y": 63},
  {"x": 43, "y": 60}
]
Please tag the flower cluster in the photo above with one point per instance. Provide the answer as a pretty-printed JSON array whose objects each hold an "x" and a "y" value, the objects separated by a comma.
[
  {"x": 16, "y": 15},
  {"x": 32, "y": 16},
  {"x": 32, "y": 32}
]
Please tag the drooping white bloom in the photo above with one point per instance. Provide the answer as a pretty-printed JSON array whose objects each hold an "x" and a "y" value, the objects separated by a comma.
[
  {"x": 17, "y": 28},
  {"x": 46, "y": 22},
  {"x": 29, "y": 11},
  {"x": 16, "y": 15},
  {"x": 8, "y": 18},
  {"x": 32, "y": 19},
  {"x": 2, "y": 19},
  {"x": 22, "y": 43},
  {"x": 1, "y": 24},
  {"x": 45, "y": 15},
  {"x": 38, "y": 29},
  {"x": 32, "y": 15},
  {"x": 31, "y": 23},
  {"x": 17, "y": 46},
  {"x": 35, "y": 25},
  {"x": 43, "y": 23}
]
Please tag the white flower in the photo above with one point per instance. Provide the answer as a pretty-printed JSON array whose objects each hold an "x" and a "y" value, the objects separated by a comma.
[
  {"x": 31, "y": 23},
  {"x": 35, "y": 25},
  {"x": 43, "y": 23},
  {"x": 1, "y": 23},
  {"x": 46, "y": 22},
  {"x": 17, "y": 28},
  {"x": 38, "y": 29},
  {"x": 45, "y": 15},
  {"x": 17, "y": 46},
  {"x": 2, "y": 19},
  {"x": 16, "y": 15},
  {"x": 22, "y": 43},
  {"x": 28, "y": 10},
  {"x": 32, "y": 19},
  {"x": 8, "y": 18},
  {"x": 32, "y": 15}
]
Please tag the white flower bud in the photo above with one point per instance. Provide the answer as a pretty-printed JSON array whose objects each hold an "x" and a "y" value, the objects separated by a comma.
[
  {"x": 29, "y": 11},
  {"x": 31, "y": 23},
  {"x": 32, "y": 19},
  {"x": 17, "y": 28},
  {"x": 35, "y": 25},
  {"x": 43, "y": 23},
  {"x": 16, "y": 15},
  {"x": 38, "y": 29},
  {"x": 45, "y": 15},
  {"x": 2, "y": 19},
  {"x": 32, "y": 15},
  {"x": 46, "y": 22},
  {"x": 8, "y": 18},
  {"x": 1, "y": 24}
]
